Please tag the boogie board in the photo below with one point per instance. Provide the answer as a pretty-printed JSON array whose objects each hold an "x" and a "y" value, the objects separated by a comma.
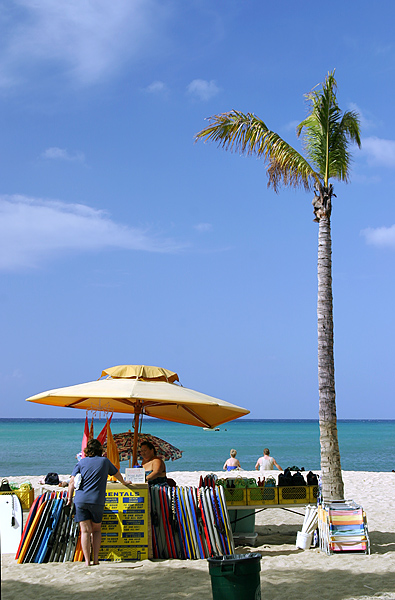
[
  {"x": 174, "y": 523},
  {"x": 163, "y": 491},
  {"x": 209, "y": 522},
  {"x": 195, "y": 524},
  {"x": 220, "y": 520},
  {"x": 29, "y": 521},
  {"x": 211, "y": 518},
  {"x": 225, "y": 514},
  {"x": 30, "y": 533},
  {"x": 72, "y": 541},
  {"x": 163, "y": 547},
  {"x": 38, "y": 535},
  {"x": 11, "y": 523},
  {"x": 184, "y": 529},
  {"x": 64, "y": 533},
  {"x": 205, "y": 526},
  {"x": 177, "y": 514}
]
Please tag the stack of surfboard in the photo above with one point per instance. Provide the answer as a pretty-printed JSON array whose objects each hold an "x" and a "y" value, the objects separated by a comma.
[
  {"x": 189, "y": 522},
  {"x": 50, "y": 533}
]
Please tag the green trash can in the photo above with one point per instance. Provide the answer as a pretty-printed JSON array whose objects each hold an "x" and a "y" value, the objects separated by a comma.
[{"x": 236, "y": 576}]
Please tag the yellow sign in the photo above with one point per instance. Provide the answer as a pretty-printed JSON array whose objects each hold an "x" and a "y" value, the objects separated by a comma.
[{"x": 125, "y": 523}]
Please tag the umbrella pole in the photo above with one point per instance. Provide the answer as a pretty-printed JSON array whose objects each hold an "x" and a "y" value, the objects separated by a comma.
[{"x": 137, "y": 412}]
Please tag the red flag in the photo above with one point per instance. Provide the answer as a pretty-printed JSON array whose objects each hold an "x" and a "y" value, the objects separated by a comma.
[
  {"x": 85, "y": 437},
  {"x": 103, "y": 434}
]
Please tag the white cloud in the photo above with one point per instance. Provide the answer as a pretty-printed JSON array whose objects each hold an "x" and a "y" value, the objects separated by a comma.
[
  {"x": 87, "y": 39},
  {"x": 291, "y": 126},
  {"x": 383, "y": 237},
  {"x": 379, "y": 151},
  {"x": 203, "y": 227},
  {"x": 202, "y": 89},
  {"x": 33, "y": 230},
  {"x": 55, "y": 153},
  {"x": 367, "y": 120},
  {"x": 156, "y": 87}
]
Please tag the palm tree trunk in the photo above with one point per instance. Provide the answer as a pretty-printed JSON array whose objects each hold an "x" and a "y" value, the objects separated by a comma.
[{"x": 332, "y": 482}]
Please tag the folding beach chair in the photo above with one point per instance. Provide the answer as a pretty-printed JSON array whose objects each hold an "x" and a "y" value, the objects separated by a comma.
[{"x": 343, "y": 528}]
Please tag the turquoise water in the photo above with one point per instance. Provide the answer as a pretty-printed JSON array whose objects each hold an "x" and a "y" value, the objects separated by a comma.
[{"x": 38, "y": 446}]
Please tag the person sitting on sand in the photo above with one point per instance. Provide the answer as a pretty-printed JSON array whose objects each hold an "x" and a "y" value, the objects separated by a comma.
[
  {"x": 232, "y": 463},
  {"x": 90, "y": 496},
  {"x": 155, "y": 468},
  {"x": 266, "y": 462}
]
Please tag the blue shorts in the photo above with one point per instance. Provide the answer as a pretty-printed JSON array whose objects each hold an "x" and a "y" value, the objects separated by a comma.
[{"x": 89, "y": 512}]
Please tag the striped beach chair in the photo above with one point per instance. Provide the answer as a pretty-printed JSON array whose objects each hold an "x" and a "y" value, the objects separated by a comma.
[{"x": 343, "y": 527}]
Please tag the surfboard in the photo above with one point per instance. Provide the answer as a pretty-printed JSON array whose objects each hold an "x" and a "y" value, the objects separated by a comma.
[
  {"x": 35, "y": 545},
  {"x": 163, "y": 491},
  {"x": 11, "y": 523},
  {"x": 163, "y": 520},
  {"x": 174, "y": 523},
  {"x": 29, "y": 521},
  {"x": 72, "y": 541},
  {"x": 205, "y": 527},
  {"x": 30, "y": 534},
  {"x": 209, "y": 523},
  {"x": 155, "y": 523},
  {"x": 187, "y": 521},
  {"x": 183, "y": 524},
  {"x": 226, "y": 519},
  {"x": 56, "y": 537},
  {"x": 164, "y": 547},
  {"x": 177, "y": 514},
  {"x": 195, "y": 523},
  {"x": 199, "y": 521},
  {"x": 218, "y": 545},
  {"x": 65, "y": 533},
  {"x": 220, "y": 520},
  {"x": 43, "y": 543}
]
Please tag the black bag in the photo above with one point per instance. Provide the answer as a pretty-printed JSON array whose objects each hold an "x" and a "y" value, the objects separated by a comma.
[
  {"x": 285, "y": 478},
  {"x": 298, "y": 479},
  {"x": 52, "y": 479},
  {"x": 312, "y": 479},
  {"x": 5, "y": 486}
]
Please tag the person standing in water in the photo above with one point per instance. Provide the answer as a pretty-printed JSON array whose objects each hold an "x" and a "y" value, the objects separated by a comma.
[
  {"x": 266, "y": 462},
  {"x": 232, "y": 463}
]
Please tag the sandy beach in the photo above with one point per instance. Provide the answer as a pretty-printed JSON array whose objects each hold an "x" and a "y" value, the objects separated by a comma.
[{"x": 286, "y": 572}]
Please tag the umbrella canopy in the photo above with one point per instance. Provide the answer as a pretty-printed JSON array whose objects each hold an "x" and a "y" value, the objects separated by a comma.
[
  {"x": 124, "y": 443},
  {"x": 142, "y": 372},
  {"x": 167, "y": 401},
  {"x": 123, "y": 392}
]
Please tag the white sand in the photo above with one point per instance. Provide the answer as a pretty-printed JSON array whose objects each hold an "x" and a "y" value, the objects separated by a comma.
[{"x": 286, "y": 572}]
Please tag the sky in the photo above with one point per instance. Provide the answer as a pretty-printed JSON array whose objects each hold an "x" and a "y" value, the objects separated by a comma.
[{"x": 124, "y": 242}]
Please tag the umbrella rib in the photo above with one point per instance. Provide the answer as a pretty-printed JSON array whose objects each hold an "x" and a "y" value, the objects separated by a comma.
[
  {"x": 194, "y": 414},
  {"x": 76, "y": 402},
  {"x": 80, "y": 400}
]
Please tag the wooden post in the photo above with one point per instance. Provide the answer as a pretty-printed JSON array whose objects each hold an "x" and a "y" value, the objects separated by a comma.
[{"x": 137, "y": 412}]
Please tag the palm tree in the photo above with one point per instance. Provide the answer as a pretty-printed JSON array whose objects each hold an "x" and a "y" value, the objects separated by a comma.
[{"x": 327, "y": 135}]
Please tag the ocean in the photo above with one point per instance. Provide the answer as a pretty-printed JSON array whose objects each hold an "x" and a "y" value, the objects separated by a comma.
[{"x": 39, "y": 446}]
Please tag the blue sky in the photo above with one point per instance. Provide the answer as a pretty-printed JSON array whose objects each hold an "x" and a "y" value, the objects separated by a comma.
[{"x": 123, "y": 242}]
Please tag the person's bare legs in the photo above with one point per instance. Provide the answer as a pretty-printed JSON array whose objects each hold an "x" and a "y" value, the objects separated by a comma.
[
  {"x": 96, "y": 541},
  {"x": 86, "y": 531}
]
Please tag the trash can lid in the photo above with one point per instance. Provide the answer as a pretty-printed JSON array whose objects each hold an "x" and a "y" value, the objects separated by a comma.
[{"x": 234, "y": 558}]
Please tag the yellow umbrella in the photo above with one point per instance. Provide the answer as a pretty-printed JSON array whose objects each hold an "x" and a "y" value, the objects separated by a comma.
[{"x": 137, "y": 389}]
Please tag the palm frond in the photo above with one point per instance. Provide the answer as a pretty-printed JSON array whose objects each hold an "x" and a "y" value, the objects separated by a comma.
[
  {"x": 245, "y": 133},
  {"x": 328, "y": 132}
]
